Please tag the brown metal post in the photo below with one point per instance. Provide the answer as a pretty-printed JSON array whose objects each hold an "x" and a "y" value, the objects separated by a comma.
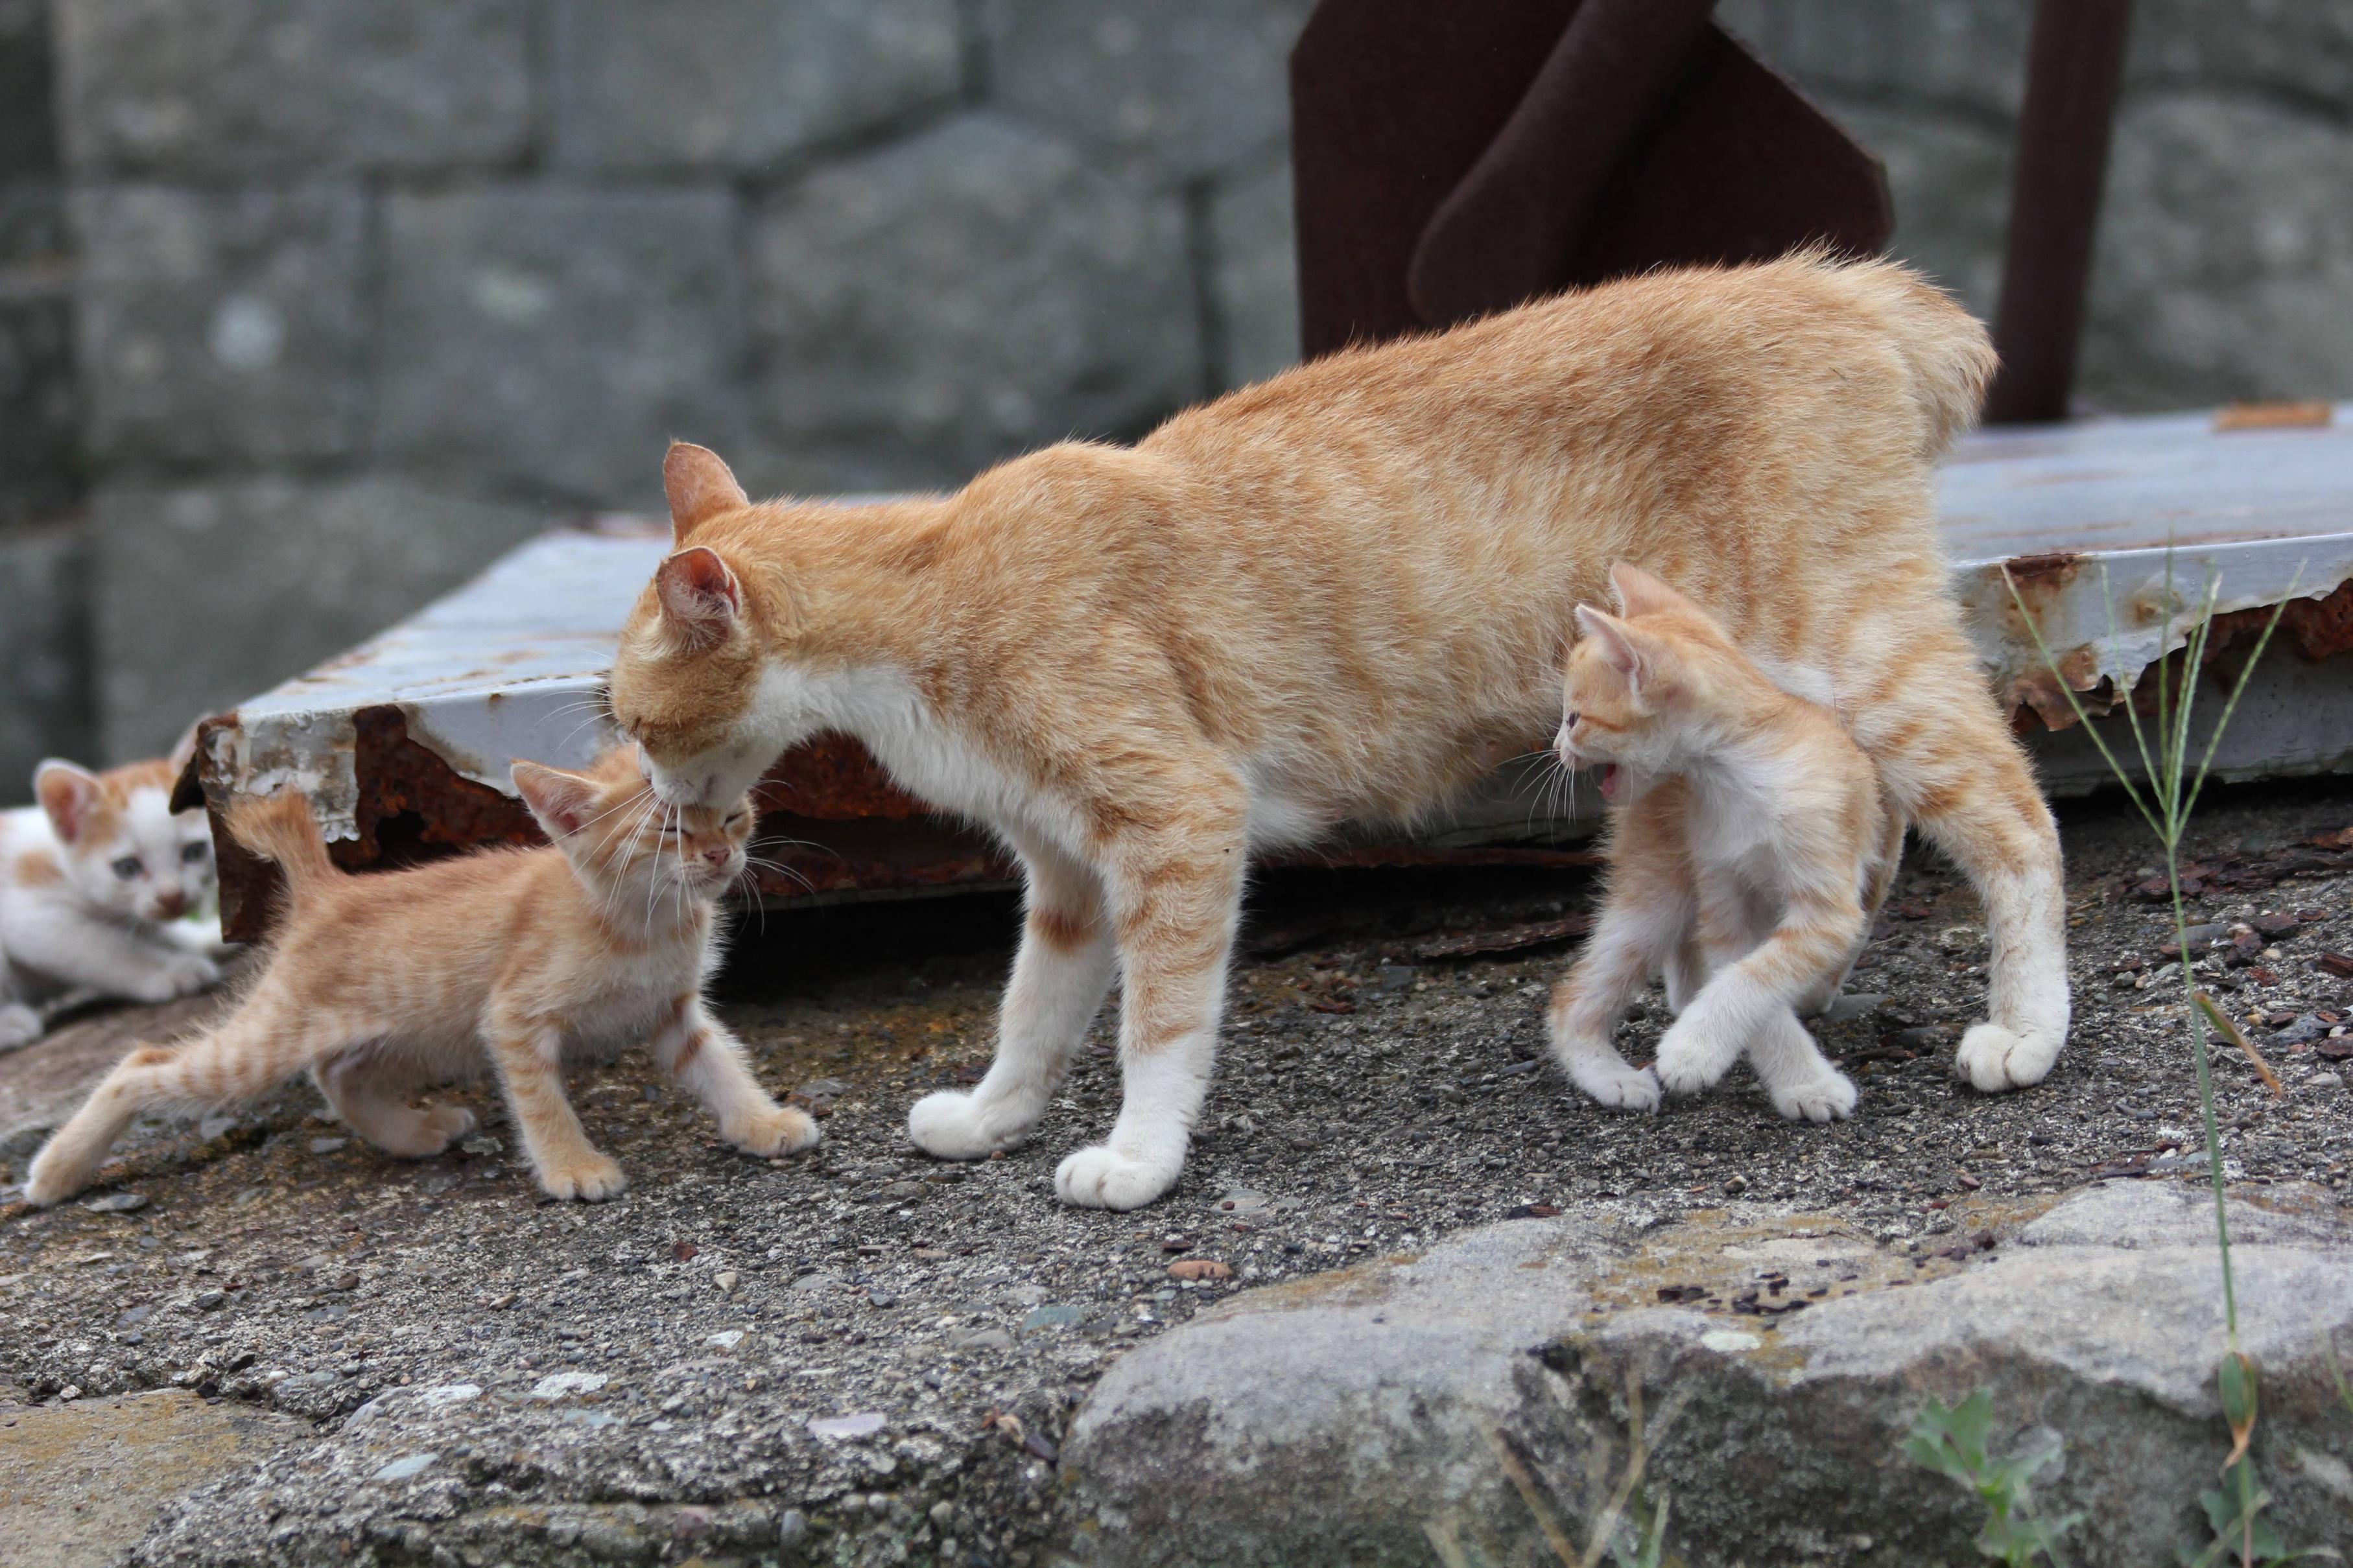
[{"x": 2075, "y": 67}]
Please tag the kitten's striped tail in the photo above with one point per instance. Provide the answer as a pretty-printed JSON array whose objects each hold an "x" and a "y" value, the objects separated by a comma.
[{"x": 279, "y": 828}]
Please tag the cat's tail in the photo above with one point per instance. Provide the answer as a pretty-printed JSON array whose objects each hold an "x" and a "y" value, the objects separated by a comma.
[{"x": 279, "y": 828}]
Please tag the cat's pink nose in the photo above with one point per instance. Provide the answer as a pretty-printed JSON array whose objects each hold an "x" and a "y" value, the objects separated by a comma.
[
  {"x": 171, "y": 906},
  {"x": 717, "y": 855}
]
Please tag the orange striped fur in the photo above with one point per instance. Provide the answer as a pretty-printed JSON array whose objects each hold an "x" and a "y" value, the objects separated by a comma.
[
  {"x": 380, "y": 986},
  {"x": 1337, "y": 595},
  {"x": 1749, "y": 843}
]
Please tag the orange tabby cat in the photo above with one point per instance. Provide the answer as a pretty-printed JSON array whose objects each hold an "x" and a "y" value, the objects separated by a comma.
[
  {"x": 1749, "y": 843},
  {"x": 378, "y": 985},
  {"x": 1340, "y": 594}
]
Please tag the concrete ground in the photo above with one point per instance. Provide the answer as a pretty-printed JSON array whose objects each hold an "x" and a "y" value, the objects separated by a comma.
[{"x": 865, "y": 1355}]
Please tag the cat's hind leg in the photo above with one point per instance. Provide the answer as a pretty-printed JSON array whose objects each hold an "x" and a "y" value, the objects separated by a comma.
[
  {"x": 697, "y": 1051},
  {"x": 260, "y": 1046},
  {"x": 1950, "y": 763},
  {"x": 1059, "y": 978},
  {"x": 1800, "y": 1081},
  {"x": 374, "y": 1103}
]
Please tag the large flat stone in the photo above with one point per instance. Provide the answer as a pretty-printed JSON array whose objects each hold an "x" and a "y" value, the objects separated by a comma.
[
  {"x": 1257, "y": 274},
  {"x": 559, "y": 338},
  {"x": 243, "y": 86},
  {"x": 742, "y": 84},
  {"x": 293, "y": 571},
  {"x": 221, "y": 327},
  {"x": 959, "y": 297},
  {"x": 80, "y": 1483},
  {"x": 1189, "y": 87},
  {"x": 2225, "y": 257},
  {"x": 44, "y": 706},
  {"x": 1359, "y": 1417}
]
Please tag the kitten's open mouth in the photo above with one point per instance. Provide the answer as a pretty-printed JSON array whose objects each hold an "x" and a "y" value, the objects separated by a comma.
[{"x": 1611, "y": 781}]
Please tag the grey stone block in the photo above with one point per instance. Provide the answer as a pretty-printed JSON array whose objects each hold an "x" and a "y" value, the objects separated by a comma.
[
  {"x": 221, "y": 326},
  {"x": 2225, "y": 257},
  {"x": 28, "y": 143},
  {"x": 1190, "y": 86},
  {"x": 2295, "y": 47},
  {"x": 41, "y": 465},
  {"x": 1359, "y": 1417},
  {"x": 558, "y": 339},
  {"x": 1256, "y": 275},
  {"x": 1950, "y": 177},
  {"x": 210, "y": 593},
  {"x": 960, "y": 296},
  {"x": 241, "y": 86},
  {"x": 742, "y": 84},
  {"x": 1958, "y": 54},
  {"x": 44, "y": 698}
]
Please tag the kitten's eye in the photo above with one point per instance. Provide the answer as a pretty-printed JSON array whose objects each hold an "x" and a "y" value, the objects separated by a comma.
[
  {"x": 1568, "y": 720},
  {"x": 129, "y": 867},
  {"x": 193, "y": 853},
  {"x": 737, "y": 818}
]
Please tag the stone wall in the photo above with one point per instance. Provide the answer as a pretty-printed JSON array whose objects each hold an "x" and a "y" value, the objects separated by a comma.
[{"x": 365, "y": 293}]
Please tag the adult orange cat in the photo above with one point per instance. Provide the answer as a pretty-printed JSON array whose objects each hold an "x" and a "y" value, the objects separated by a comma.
[{"x": 1339, "y": 595}]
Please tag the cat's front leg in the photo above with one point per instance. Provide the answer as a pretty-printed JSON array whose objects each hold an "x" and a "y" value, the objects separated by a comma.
[
  {"x": 529, "y": 1056},
  {"x": 1736, "y": 1006},
  {"x": 1176, "y": 896},
  {"x": 73, "y": 950},
  {"x": 699, "y": 1052},
  {"x": 1587, "y": 1004},
  {"x": 1060, "y": 977},
  {"x": 1800, "y": 1080}
]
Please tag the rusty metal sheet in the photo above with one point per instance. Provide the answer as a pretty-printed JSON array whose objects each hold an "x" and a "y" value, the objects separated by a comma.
[{"x": 403, "y": 743}]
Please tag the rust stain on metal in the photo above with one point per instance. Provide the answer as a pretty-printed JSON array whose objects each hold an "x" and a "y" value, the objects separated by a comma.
[
  {"x": 830, "y": 778},
  {"x": 2275, "y": 416}
]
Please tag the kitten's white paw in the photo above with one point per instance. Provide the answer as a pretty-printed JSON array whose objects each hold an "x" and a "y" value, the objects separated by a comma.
[
  {"x": 1619, "y": 1087},
  {"x": 1101, "y": 1177},
  {"x": 20, "y": 1025},
  {"x": 1995, "y": 1058},
  {"x": 1694, "y": 1055},
  {"x": 1829, "y": 1098},
  {"x": 591, "y": 1180},
  {"x": 776, "y": 1132},
  {"x": 182, "y": 974},
  {"x": 952, "y": 1125},
  {"x": 447, "y": 1124}
]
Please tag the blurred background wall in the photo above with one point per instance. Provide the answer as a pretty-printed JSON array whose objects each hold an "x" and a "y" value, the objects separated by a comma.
[{"x": 311, "y": 308}]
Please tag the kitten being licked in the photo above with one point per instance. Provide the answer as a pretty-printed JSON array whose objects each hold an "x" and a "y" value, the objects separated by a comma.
[
  {"x": 509, "y": 960},
  {"x": 1749, "y": 843},
  {"x": 93, "y": 880}
]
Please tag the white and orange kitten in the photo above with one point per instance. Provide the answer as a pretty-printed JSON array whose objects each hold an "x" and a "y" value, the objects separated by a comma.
[
  {"x": 1749, "y": 843},
  {"x": 94, "y": 878},
  {"x": 511, "y": 960}
]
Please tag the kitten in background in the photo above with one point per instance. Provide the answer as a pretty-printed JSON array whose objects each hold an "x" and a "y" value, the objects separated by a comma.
[
  {"x": 509, "y": 959},
  {"x": 94, "y": 881},
  {"x": 1749, "y": 841}
]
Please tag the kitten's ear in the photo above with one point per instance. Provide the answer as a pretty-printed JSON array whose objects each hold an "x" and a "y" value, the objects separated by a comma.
[
  {"x": 700, "y": 487},
  {"x": 1641, "y": 593},
  {"x": 562, "y": 802},
  {"x": 1621, "y": 646},
  {"x": 700, "y": 596},
  {"x": 68, "y": 793}
]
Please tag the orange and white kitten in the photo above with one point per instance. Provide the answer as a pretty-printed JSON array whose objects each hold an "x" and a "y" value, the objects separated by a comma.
[
  {"x": 378, "y": 985},
  {"x": 1749, "y": 843},
  {"x": 93, "y": 880},
  {"x": 1341, "y": 594}
]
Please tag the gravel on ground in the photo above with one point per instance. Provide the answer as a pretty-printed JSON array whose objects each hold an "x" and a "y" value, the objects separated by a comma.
[{"x": 877, "y": 1348}]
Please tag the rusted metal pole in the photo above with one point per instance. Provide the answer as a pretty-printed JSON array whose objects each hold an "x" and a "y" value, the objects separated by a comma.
[{"x": 2075, "y": 68}]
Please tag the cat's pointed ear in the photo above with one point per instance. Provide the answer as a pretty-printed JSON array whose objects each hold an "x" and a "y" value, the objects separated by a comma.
[
  {"x": 562, "y": 802},
  {"x": 700, "y": 487},
  {"x": 69, "y": 794},
  {"x": 1621, "y": 646},
  {"x": 700, "y": 596},
  {"x": 1641, "y": 593}
]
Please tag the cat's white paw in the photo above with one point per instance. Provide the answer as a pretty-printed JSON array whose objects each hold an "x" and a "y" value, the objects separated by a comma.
[
  {"x": 592, "y": 1179},
  {"x": 776, "y": 1132},
  {"x": 952, "y": 1125},
  {"x": 1694, "y": 1055},
  {"x": 1827, "y": 1097},
  {"x": 1619, "y": 1087},
  {"x": 1101, "y": 1177},
  {"x": 1995, "y": 1058},
  {"x": 20, "y": 1025},
  {"x": 55, "y": 1177},
  {"x": 182, "y": 974}
]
